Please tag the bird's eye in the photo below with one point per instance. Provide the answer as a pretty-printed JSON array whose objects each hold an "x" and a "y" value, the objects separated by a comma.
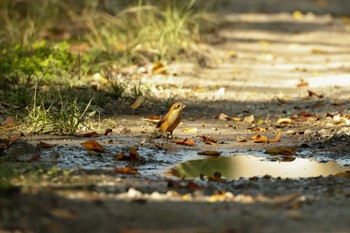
[{"x": 178, "y": 106}]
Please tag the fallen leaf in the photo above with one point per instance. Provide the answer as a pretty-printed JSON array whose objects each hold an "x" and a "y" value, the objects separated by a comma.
[
  {"x": 223, "y": 117},
  {"x": 208, "y": 140},
  {"x": 257, "y": 129},
  {"x": 89, "y": 135},
  {"x": 120, "y": 156},
  {"x": 259, "y": 138},
  {"x": 34, "y": 158},
  {"x": 284, "y": 121},
  {"x": 277, "y": 138},
  {"x": 215, "y": 177},
  {"x": 159, "y": 68},
  {"x": 345, "y": 174},
  {"x": 190, "y": 130},
  {"x": 264, "y": 42},
  {"x": 209, "y": 153},
  {"x": 318, "y": 51},
  {"x": 312, "y": 93},
  {"x": 302, "y": 83},
  {"x": 137, "y": 103},
  {"x": 186, "y": 142},
  {"x": 242, "y": 139},
  {"x": 108, "y": 131},
  {"x": 8, "y": 122},
  {"x": 306, "y": 114},
  {"x": 236, "y": 119},
  {"x": 231, "y": 54},
  {"x": 93, "y": 145},
  {"x": 280, "y": 151},
  {"x": 63, "y": 214},
  {"x": 248, "y": 119},
  {"x": 297, "y": 15},
  {"x": 193, "y": 186},
  {"x": 45, "y": 145},
  {"x": 12, "y": 139},
  {"x": 126, "y": 170},
  {"x": 133, "y": 154},
  {"x": 338, "y": 104}
]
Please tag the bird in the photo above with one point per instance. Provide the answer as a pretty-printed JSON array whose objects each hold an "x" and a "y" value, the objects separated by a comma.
[{"x": 171, "y": 120}]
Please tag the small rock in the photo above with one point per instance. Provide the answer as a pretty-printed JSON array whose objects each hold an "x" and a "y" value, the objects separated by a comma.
[
  {"x": 133, "y": 193},
  {"x": 308, "y": 132}
]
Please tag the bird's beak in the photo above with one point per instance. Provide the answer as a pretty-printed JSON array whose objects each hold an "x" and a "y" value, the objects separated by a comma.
[{"x": 184, "y": 106}]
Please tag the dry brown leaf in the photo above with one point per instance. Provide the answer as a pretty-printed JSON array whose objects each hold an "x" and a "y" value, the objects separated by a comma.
[
  {"x": 302, "y": 83},
  {"x": 93, "y": 145},
  {"x": 108, "y": 131},
  {"x": 209, "y": 153},
  {"x": 259, "y": 138},
  {"x": 277, "y": 138},
  {"x": 159, "y": 68},
  {"x": 215, "y": 177},
  {"x": 89, "y": 135},
  {"x": 133, "y": 154},
  {"x": 13, "y": 138},
  {"x": 306, "y": 114},
  {"x": 338, "y": 103},
  {"x": 193, "y": 186},
  {"x": 9, "y": 122},
  {"x": 63, "y": 213},
  {"x": 35, "y": 157},
  {"x": 186, "y": 142},
  {"x": 208, "y": 140},
  {"x": 242, "y": 139},
  {"x": 312, "y": 93},
  {"x": 120, "y": 156},
  {"x": 284, "y": 121},
  {"x": 137, "y": 103},
  {"x": 258, "y": 129},
  {"x": 280, "y": 151},
  {"x": 45, "y": 145},
  {"x": 126, "y": 170}
]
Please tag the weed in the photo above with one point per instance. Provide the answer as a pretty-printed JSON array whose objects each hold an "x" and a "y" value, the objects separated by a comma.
[
  {"x": 137, "y": 89},
  {"x": 117, "y": 84}
]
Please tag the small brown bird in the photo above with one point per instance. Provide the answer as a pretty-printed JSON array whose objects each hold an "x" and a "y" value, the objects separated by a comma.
[{"x": 172, "y": 119}]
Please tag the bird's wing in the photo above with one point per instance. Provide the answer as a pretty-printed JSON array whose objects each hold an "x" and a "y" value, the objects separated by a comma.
[{"x": 162, "y": 120}]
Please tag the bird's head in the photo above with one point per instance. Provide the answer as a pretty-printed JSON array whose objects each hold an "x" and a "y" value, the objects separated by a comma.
[{"x": 177, "y": 106}]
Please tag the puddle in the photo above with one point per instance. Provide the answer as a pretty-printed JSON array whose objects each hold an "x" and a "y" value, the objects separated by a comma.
[{"x": 234, "y": 167}]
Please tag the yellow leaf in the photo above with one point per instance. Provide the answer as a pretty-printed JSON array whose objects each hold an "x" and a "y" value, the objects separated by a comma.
[
  {"x": 298, "y": 15},
  {"x": 284, "y": 121},
  {"x": 277, "y": 138},
  {"x": 159, "y": 68},
  {"x": 190, "y": 130},
  {"x": 137, "y": 103}
]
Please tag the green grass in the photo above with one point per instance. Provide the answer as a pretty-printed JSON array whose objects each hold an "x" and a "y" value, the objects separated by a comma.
[{"x": 50, "y": 50}]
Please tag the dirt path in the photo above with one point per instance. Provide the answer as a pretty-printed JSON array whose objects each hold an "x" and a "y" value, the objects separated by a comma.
[{"x": 254, "y": 71}]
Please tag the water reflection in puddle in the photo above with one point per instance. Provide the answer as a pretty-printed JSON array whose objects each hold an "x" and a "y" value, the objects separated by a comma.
[{"x": 234, "y": 167}]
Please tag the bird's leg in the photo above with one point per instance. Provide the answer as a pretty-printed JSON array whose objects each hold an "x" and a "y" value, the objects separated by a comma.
[{"x": 170, "y": 136}]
